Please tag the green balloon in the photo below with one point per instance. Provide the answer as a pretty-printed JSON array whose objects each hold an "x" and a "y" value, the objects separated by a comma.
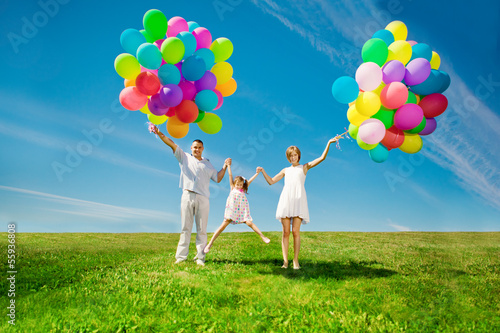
[
  {"x": 172, "y": 50},
  {"x": 201, "y": 115},
  {"x": 386, "y": 117},
  {"x": 222, "y": 49},
  {"x": 148, "y": 37},
  {"x": 155, "y": 23},
  {"x": 375, "y": 50},
  {"x": 419, "y": 128},
  {"x": 364, "y": 145},
  {"x": 412, "y": 99},
  {"x": 353, "y": 131},
  {"x": 211, "y": 123}
]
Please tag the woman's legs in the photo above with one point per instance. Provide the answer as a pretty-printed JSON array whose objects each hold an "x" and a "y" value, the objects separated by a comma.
[
  {"x": 284, "y": 240},
  {"x": 297, "y": 221},
  {"x": 254, "y": 228},
  {"x": 216, "y": 234}
]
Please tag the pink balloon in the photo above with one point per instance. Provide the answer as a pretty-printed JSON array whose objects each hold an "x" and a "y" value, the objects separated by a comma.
[
  {"x": 132, "y": 99},
  {"x": 393, "y": 71},
  {"x": 408, "y": 116},
  {"x": 203, "y": 38},
  {"x": 433, "y": 105},
  {"x": 368, "y": 76},
  {"x": 158, "y": 43},
  {"x": 430, "y": 126},
  {"x": 394, "y": 95},
  {"x": 175, "y": 25},
  {"x": 411, "y": 42},
  {"x": 188, "y": 90},
  {"x": 154, "y": 71},
  {"x": 371, "y": 131},
  {"x": 220, "y": 97}
]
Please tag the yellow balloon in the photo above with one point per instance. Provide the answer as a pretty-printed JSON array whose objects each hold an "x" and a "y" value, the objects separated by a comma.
[
  {"x": 129, "y": 83},
  {"x": 364, "y": 145},
  {"x": 399, "y": 50},
  {"x": 228, "y": 88},
  {"x": 157, "y": 120},
  {"x": 379, "y": 89},
  {"x": 435, "y": 60},
  {"x": 145, "y": 110},
  {"x": 368, "y": 103},
  {"x": 127, "y": 66},
  {"x": 176, "y": 128},
  {"x": 412, "y": 143},
  {"x": 398, "y": 29},
  {"x": 354, "y": 117},
  {"x": 223, "y": 71}
]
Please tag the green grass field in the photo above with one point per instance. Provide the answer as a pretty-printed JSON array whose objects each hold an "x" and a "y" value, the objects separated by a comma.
[{"x": 352, "y": 282}]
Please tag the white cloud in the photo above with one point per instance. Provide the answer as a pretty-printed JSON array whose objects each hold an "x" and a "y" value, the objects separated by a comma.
[
  {"x": 72, "y": 206},
  {"x": 398, "y": 227}
]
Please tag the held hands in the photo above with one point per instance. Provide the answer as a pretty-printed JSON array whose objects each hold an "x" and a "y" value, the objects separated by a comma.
[
  {"x": 259, "y": 170},
  {"x": 228, "y": 162}
]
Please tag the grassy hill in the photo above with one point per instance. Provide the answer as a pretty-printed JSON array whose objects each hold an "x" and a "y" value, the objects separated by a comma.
[{"x": 354, "y": 282}]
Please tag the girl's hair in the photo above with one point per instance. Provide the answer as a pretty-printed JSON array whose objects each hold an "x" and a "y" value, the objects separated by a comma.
[
  {"x": 290, "y": 150},
  {"x": 245, "y": 182}
]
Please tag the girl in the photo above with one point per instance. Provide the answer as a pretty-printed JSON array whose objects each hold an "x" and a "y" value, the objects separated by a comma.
[
  {"x": 237, "y": 209},
  {"x": 292, "y": 206}
]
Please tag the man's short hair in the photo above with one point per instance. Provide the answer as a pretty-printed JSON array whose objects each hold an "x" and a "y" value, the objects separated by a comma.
[{"x": 199, "y": 141}]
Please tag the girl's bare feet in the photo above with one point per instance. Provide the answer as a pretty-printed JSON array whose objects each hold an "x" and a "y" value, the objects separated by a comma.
[
  {"x": 265, "y": 239},
  {"x": 206, "y": 249}
]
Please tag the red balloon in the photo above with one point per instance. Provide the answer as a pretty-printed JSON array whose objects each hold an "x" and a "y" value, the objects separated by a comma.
[
  {"x": 393, "y": 138},
  {"x": 147, "y": 83},
  {"x": 187, "y": 111},
  {"x": 132, "y": 99},
  {"x": 394, "y": 95},
  {"x": 433, "y": 105}
]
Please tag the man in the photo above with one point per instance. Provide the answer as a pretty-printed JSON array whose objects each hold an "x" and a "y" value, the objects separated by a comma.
[{"x": 196, "y": 173}]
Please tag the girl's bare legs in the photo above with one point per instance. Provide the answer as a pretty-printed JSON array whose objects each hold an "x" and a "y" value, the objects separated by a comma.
[
  {"x": 297, "y": 221},
  {"x": 216, "y": 234},
  {"x": 254, "y": 228},
  {"x": 284, "y": 240}
]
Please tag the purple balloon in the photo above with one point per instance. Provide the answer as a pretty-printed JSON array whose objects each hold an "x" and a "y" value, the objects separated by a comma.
[
  {"x": 408, "y": 116},
  {"x": 417, "y": 71},
  {"x": 430, "y": 126},
  {"x": 156, "y": 106},
  {"x": 207, "y": 82},
  {"x": 188, "y": 90},
  {"x": 171, "y": 95},
  {"x": 393, "y": 71}
]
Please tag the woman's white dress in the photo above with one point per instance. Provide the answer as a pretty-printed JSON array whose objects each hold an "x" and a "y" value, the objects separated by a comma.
[{"x": 293, "y": 199}]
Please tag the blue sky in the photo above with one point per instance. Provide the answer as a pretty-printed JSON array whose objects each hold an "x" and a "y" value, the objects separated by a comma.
[{"x": 60, "y": 83}]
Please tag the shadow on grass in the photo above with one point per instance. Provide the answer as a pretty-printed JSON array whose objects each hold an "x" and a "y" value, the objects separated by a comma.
[{"x": 318, "y": 269}]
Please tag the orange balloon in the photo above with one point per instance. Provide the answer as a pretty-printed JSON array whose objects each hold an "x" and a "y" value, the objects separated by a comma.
[
  {"x": 228, "y": 88},
  {"x": 176, "y": 128},
  {"x": 129, "y": 83}
]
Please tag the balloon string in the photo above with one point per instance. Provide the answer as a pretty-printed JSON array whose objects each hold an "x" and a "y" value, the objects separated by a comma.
[
  {"x": 151, "y": 127},
  {"x": 341, "y": 136}
]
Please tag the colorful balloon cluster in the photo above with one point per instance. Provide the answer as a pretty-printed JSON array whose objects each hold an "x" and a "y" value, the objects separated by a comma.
[
  {"x": 396, "y": 94},
  {"x": 175, "y": 73}
]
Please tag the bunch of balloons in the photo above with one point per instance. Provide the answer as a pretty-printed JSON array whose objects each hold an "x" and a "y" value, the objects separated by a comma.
[
  {"x": 396, "y": 94},
  {"x": 175, "y": 73}
]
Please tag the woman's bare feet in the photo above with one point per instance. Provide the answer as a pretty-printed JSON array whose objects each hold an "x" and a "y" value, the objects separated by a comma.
[
  {"x": 285, "y": 264},
  {"x": 296, "y": 265}
]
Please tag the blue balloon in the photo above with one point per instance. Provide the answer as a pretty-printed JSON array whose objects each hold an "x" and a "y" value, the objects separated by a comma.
[
  {"x": 446, "y": 81},
  {"x": 421, "y": 50},
  {"x": 345, "y": 89},
  {"x": 131, "y": 39},
  {"x": 169, "y": 74},
  {"x": 193, "y": 68},
  {"x": 379, "y": 154},
  {"x": 192, "y": 25},
  {"x": 149, "y": 56},
  {"x": 385, "y": 35},
  {"x": 206, "y": 100},
  {"x": 208, "y": 56},
  {"x": 431, "y": 85},
  {"x": 189, "y": 42}
]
